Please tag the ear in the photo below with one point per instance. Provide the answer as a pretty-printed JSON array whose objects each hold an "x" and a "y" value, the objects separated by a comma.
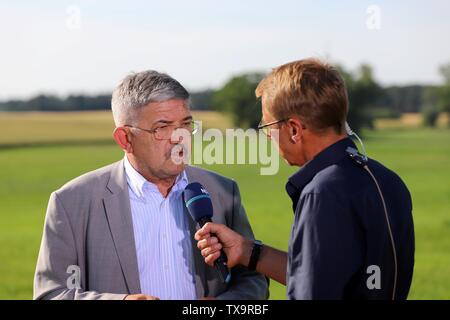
[
  {"x": 295, "y": 129},
  {"x": 121, "y": 136}
]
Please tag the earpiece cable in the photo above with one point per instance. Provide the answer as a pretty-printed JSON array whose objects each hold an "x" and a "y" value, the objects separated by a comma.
[
  {"x": 391, "y": 236},
  {"x": 350, "y": 132}
]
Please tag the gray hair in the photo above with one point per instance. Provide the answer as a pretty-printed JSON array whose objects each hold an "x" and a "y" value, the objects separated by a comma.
[{"x": 138, "y": 90}]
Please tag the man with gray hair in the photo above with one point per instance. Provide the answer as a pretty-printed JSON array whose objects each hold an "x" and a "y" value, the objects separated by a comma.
[{"x": 122, "y": 231}]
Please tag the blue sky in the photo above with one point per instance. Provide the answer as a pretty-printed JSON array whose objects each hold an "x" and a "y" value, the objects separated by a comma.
[{"x": 87, "y": 46}]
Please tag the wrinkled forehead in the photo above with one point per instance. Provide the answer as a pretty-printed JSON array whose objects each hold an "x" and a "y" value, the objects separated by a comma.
[{"x": 166, "y": 112}]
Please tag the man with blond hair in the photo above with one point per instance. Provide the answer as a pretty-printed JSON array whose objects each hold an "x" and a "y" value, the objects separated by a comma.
[{"x": 352, "y": 236}]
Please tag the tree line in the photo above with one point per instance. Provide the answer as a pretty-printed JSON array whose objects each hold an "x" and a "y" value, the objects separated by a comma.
[{"x": 368, "y": 100}]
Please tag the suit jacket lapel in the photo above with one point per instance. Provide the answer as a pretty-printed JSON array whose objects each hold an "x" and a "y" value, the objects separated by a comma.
[{"x": 118, "y": 212}]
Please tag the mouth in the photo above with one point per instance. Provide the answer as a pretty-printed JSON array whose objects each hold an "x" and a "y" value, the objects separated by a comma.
[{"x": 178, "y": 153}]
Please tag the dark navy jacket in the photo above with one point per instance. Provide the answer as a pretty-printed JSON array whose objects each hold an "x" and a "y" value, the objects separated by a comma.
[{"x": 340, "y": 229}]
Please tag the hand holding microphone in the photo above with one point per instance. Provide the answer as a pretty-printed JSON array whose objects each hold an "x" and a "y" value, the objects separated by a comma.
[
  {"x": 199, "y": 205},
  {"x": 216, "y": 240},
  {"x": 236, "y": 247}
]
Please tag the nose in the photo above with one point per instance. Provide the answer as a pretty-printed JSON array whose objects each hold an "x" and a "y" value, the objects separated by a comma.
[
  {"x": 180, "y": 135},
  {"x": 176, "y": 139}
]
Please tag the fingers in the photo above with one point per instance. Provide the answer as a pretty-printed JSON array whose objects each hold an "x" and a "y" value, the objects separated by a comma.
[
  {"x": 208, "y": 298},
  {"x": 147, "y": 297},
  {"x": 211, "y": 258},
  {"x": 209, "y": 247},
  {"x": 207, "y": 242},
  {"x": 207, "y": 229},
  {"x": 202, "y": 232},
  {"x": 140, "y": 296},
  {"x": 211, "y": 250}
]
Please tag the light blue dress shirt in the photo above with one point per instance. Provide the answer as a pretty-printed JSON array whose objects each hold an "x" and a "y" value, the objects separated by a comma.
[{"x": 162, "y": 238}]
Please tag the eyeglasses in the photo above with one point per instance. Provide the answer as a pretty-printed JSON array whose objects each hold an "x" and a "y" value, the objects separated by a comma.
[
  {"x": 265, "y": 126},
  {"x": 165, "y": 132}
]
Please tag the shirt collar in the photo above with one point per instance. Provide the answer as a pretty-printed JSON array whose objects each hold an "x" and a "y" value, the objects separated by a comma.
[
  {"x": 138, "y": 183},
  {"x": 323, "y": 159}
]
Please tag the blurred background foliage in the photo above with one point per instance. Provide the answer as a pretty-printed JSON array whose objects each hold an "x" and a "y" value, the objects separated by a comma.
[{"x": 368, "y": 99}]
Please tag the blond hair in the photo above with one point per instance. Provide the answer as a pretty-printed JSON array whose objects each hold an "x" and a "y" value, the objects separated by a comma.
[{"x": 311, "y": 89}]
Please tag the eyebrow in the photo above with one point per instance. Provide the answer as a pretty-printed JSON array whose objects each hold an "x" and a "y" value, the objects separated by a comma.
[{"x": 170, "y": 122}]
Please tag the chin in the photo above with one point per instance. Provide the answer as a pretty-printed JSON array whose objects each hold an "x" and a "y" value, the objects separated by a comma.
[
  {"x": 295, "y": 162},
  {"x": 175, "y": 169}
]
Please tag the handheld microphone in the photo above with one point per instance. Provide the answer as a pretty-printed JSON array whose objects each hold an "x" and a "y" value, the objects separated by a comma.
[{"x": 199, "y": 205}]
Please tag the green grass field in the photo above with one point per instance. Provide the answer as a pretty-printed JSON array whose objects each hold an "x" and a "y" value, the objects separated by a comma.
[{"x": 29, "y": 174}]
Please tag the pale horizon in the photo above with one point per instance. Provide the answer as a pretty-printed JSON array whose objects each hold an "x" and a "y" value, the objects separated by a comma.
[{"x": 81, "y": 47}]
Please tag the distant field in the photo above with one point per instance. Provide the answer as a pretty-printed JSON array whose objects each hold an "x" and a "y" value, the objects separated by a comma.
[
  {"x": 410, "y": 120},
  {"x": 29, "y": 174},
  {"x": 31, "y": 128}
]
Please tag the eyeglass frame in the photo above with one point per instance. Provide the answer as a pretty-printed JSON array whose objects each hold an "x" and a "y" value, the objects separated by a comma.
[
  {"x": 262, "y": 126},
  {"x": 155, "y": 130}
]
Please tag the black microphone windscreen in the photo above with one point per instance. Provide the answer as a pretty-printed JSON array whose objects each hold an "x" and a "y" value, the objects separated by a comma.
[{"x": 197, "y": 201}]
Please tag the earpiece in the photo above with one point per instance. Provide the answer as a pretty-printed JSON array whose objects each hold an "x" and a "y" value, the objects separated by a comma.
[{"x": 350, "y": 132}]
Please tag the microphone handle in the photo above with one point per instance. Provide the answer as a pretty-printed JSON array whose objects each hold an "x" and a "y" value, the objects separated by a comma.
[{"x": 221, "y": 263}]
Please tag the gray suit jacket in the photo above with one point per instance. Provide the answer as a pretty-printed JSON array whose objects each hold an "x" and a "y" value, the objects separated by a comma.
[{"x": 89, "y": 225}]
